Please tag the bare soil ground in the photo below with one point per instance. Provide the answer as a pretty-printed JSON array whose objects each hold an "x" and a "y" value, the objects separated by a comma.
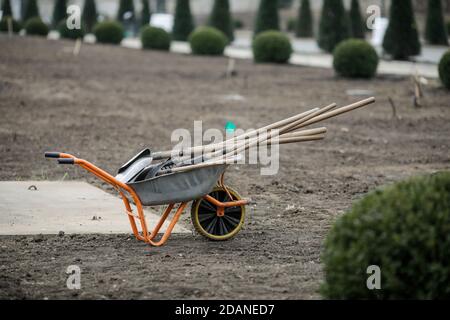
[{"x": 110, "y": 102}]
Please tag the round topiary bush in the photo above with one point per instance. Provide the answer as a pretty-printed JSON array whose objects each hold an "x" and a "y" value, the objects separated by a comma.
[
  {"x": 271, "y": 46},
  {"x": 67, "y": 33},
  {"x": 355, "y": 58},
  {"x": 155, "y": 38},
  {"x": 444, "y": 69},
  {"x": 109, "y": 32},
  {"x": 404, "y": 229},
  {"x": 208, "y": 41},
  {"x": 4, "y": 25},
  {"x": 35, "y": 26}
]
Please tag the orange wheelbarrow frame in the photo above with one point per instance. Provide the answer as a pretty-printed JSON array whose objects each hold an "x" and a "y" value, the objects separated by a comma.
[{"x": 123, "y": 189}]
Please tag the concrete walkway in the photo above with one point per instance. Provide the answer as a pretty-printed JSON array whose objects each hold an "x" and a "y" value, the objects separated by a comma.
[
  {"x": 307, "y": 53},
  {"x": 71, "y": 207},
  {"x": 311, "y": 57}
]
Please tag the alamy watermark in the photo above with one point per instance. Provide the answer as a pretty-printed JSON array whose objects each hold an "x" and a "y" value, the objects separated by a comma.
[
  {"x": 73, "y": 281},
  {"x": 239, "y": 145},
  {"x": 374, "y": 280},
  {"x": 73, "y": 20}
]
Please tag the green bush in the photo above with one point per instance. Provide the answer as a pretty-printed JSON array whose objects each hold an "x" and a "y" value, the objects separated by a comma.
[
  {"x": 355, "y": 58},
  {"x": 89, "y": 15},
  {"x": 31, "y": 10},
  {"x": 145, "y": 13},
  {"x": 67, "y": 33},
  {"x": 109, "y": 32},
  {"x": 155, "y": 38},
  {"x": 221, "y": 19},
  {"x": 6, "y": 9},
  {"x": 125, "y": 6},
  {"x": 444, "y": 69},
  {"x": 271, "y": 46},
  {"x": 334, "y": 26},
  {"x": 35, "y": 26},
  {"x": 59, "y": 13},
  {"x": 183, "y": 23},
  {"x": 267, "y": 16},
  {"x": 304, "y": 27},
  {"x": 357, "y": 28},
  {"x": 285, "y": 4},
  {"x": 16, "y": 26},
  {"x": 435, "y": 29},
  {"x": 402, "y": 38},
  {"x": 405, "y": 230},
  {"x": 208, "y": 41}
]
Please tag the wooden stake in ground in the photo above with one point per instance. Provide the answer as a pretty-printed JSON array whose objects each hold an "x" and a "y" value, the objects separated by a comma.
[
  {"x": 418, "y": 90},
  {"x": 231, "y": 68},
  {"x": 10, "y": 26},
  {"x": 394, "y": 109},
  {"x": 77, "y": 47}
]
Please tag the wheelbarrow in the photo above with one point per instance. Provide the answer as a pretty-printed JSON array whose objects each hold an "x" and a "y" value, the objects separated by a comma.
[{"x": 217, "y": 211}]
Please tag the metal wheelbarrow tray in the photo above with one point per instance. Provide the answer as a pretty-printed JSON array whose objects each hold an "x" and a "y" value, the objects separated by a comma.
[{"x": 217, "y": 211}]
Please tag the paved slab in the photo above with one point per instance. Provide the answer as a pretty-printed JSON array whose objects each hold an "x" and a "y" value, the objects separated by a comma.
[
  {"x": 72, "y": 207},
  {"x": 309, "y": 57}
]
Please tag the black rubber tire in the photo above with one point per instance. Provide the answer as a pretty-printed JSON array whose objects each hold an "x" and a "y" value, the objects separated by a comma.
[{"x": 213, "y": 227}]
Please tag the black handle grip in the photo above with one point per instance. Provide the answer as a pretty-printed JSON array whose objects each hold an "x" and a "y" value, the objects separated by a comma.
[
  {"x": 66, "y": 161},
  {"x": 52, "y": 154}
]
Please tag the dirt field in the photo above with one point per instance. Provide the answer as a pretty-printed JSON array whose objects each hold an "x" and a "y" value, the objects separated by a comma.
[{"x": 110, "y": 102}]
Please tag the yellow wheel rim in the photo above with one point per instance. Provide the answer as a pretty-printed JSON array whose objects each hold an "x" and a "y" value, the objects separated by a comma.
[{"x": 213, "y": 227}]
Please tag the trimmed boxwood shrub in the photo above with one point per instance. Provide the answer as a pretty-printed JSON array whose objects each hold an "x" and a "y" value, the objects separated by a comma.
[
  {"x": 16, "y": 26},
  {"x": 435, "y": 29},
  {"x": 59, "y": 13},
  {"x": 208, "y": 41},
  {"x": 125, "y": 6},
  {"x": 6, "y": 8},
  {"x": 405, "y": 230},
  {"x": 402, "y": 37},
  {"x": 89, "y": 15},
  {"x": 30, "y": 10},
  {"x": 145, "y": 13},
  {"x": 109, "y": 32},
  {"x": 35, "y": 26},
  {"x": 272, "y": 46},
  {"x": 67, "y": 33},
  {"x": 221, "y": 18},
  {"x": 304, "y": 26},
  {"x": 444, "y": 69},
  {"x": 183, "y": 23},
  {"x": 355, "y": 58},
  {"x": 267, "y": 16},
  {"x": 155, "y": 38},
  {"x": 357, "y": 28},
  {"x": 333, "y": 26}
]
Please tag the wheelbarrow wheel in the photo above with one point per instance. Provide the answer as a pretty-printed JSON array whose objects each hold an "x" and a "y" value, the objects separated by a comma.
[{"x": 212, "y": 226}]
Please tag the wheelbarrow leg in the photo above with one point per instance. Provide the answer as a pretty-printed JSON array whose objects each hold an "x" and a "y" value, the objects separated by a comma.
[
  {"x": 172, "y": 224},
  {"x": 123, "y": 189}
]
